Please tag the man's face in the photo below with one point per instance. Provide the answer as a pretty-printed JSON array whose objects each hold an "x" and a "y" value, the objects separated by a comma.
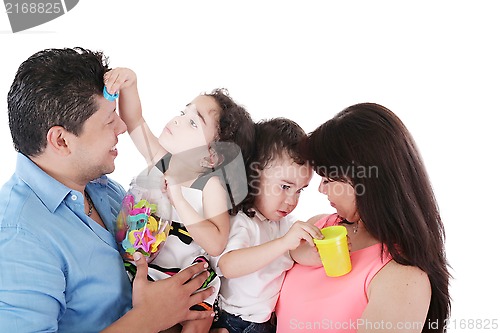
[{"x": 94, "y": 150}]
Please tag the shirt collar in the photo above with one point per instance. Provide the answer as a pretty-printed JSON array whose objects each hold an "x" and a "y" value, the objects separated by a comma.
[
  {"x": 50, "y": 191},
  {"x": 103, "y": 180},
  {"x": 47, "y": 189},
  {"x": 259, "y": 215}
]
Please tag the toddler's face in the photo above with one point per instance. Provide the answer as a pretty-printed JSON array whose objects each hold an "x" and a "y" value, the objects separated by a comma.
[
  {"x": 280, "y": 186},
  {"x": 196, "y": 126}
]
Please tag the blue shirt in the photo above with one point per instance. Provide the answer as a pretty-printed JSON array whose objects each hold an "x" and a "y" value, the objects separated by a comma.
[{"x": 60, "y": 271}]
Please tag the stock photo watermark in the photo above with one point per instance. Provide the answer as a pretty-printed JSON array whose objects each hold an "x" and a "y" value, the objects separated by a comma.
[
  {"x": 25, "y": 14},
  {"x": 469, "y": 324},
  {"x": 343, "y": 174}
]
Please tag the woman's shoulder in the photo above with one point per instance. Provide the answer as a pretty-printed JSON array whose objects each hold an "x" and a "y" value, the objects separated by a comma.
[
  {"x": 316, "y": 218},
  {"x": 398, "y": 270},
  {"x": 398, "y": 293},
  {"x": 395, "y": 276},
  {"x": 324, "y": 220}
]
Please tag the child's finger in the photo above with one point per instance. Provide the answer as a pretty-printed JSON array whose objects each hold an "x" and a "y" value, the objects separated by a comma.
[
  {"x": 109, "y": 77},
  {"x": 313, "y": 231},
  {"x": 114, "y": 84},
  {"x": 307, "y": 237},
  {"x": 114, "y": 80}
]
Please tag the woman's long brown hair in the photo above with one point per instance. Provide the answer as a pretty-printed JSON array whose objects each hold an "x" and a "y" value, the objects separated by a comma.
[{"x": 368, "y": 145}]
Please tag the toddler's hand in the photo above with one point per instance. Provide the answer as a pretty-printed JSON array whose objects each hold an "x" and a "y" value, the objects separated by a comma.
[
  {"x": 301, "y": 231},
  {"x": 119, "y": 78}
]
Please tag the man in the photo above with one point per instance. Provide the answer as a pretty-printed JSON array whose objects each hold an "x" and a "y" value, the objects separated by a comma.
[{"x": 61, "y": 269}]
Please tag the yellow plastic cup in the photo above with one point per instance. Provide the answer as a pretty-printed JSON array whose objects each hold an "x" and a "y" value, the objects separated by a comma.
[{"x": 334, "y": 251}]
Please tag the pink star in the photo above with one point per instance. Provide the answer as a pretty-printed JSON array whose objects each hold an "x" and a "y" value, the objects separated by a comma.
[{"x": 144, "y": 239}]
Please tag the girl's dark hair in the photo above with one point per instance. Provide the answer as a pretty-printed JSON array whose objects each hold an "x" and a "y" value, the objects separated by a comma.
[
  {"x": 235, "y": 123},
  {"x": 53, "y": 87},
  {"x": 235, "y": 126},
  {"x": 275, "y": 138},
  {"x": 368, "y": 146}
]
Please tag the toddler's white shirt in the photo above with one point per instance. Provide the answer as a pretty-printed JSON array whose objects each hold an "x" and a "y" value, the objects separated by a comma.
[{"x": 254, "y": 296}]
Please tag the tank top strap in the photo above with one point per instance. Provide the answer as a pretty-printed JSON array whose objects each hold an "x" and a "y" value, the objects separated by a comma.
[
  {"x": 163, "y": 163},
  {"x": 201, "y": 181}
]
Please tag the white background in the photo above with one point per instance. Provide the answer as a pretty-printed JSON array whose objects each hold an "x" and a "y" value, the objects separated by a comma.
[{"x": 435, "y": 64}]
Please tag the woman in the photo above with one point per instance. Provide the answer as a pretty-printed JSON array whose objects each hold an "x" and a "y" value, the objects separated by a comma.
[{"x": 375, "y": 178}]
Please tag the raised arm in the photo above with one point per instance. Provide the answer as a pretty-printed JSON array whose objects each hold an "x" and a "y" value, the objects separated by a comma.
[{"x": 124, "y": 80}]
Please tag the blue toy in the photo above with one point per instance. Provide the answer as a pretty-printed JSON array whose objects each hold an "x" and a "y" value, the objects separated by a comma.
[{"x": 108, "y": 96}]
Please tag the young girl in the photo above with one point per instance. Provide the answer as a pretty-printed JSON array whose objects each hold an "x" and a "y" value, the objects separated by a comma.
[
  {"x": 257, "y": 256},
  {"x": 188, "y": 152}
]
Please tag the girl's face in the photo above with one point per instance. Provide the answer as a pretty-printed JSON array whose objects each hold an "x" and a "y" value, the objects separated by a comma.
[
  {"x": 280, "y": 186},
  {"x": 342, "y": 197},
  {"x": 196, "y": 126}
]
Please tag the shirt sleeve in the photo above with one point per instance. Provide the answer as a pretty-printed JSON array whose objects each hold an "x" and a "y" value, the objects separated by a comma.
[
  {"x": 31, "y": 283},
  {"x": 240, "y": 236}
]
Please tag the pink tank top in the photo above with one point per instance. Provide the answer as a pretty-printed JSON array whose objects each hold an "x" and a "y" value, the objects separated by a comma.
[{"x": 310, "y": 301}]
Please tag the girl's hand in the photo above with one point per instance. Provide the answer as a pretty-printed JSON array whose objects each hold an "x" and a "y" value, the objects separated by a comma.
[
  {"x": 301, "y": 231},
  {"x": 119, "y": 78},
  {"x": 173, "y": 190}
]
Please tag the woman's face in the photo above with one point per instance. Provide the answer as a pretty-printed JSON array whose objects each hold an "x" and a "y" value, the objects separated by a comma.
[{"x": 342, "y": 197}]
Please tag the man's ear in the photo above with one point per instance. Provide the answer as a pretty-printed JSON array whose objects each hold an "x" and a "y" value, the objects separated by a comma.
[{"x": 57, "y": 140}]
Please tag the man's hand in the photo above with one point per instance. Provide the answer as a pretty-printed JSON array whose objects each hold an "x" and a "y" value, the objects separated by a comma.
[{"x": 168, "y": 301}]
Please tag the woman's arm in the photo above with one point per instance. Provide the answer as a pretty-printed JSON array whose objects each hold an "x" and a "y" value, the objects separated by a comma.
[{"x": 398, "y": 297}]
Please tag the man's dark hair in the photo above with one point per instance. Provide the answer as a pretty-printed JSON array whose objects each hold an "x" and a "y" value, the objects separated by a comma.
[{"x": 53, "y": 87}]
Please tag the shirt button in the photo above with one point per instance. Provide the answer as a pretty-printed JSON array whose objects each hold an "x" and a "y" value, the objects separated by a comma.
[{"x": 74, "y": 197}]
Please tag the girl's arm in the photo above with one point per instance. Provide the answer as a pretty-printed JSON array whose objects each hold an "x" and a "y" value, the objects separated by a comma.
[
  {"x": 398, "y": 296},
  {"x": 210, "y": 231},
  {"x": 305, "y": 254},
  {"x": 124, "y": 80},
  {"x": 241, "y": 262}
]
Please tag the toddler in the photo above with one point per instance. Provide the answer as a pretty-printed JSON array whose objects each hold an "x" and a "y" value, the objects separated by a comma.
[{"x": 257, "y": 255}]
